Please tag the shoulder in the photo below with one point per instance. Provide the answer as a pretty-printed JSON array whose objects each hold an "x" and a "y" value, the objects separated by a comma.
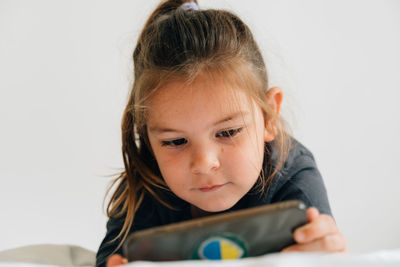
[
  {"x": 299, "y": 178},
  {"x": 152, "y": 212},
  {"x": 145, "y": 217},
  {"x": 299, "y": 157}
]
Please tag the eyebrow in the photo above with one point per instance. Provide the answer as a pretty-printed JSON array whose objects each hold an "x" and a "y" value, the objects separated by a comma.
[{"x": 230, "y": 117}]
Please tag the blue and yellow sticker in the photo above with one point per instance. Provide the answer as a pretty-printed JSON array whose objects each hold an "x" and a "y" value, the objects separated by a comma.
[{"x": 220, "y": 247}]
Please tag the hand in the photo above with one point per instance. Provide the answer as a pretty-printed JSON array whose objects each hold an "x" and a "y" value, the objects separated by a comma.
[
  {"x": 319, "y": 234},
  {"x": 116, "y": 260}
]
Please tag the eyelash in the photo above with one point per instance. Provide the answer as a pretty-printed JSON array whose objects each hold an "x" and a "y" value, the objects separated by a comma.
[
  {"x": 229, "y": 133},
  {"x": 174, "y": 143},
  {"x": 181, "y": 141}
]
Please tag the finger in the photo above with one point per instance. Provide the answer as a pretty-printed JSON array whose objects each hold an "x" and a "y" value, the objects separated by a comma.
[
  {"x": 312, "y": 214},
  {"x": 116, "y": 260},
  {"x": 319, "y": 227},
  {"x": 329, "y": 243}
]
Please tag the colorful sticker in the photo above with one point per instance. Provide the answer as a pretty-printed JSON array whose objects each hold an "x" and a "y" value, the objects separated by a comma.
[{"x": 220, "y": 247}]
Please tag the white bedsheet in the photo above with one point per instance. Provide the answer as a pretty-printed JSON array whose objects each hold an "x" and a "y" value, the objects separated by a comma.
[
  {"x": 379, "y": 258},
  {"x": 23, "y": 264}
]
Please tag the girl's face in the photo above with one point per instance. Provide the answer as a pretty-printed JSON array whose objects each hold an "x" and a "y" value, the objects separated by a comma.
[{"x": 208, "y": 144}]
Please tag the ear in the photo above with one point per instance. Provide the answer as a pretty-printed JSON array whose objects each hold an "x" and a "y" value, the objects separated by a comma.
[{"x": 274, "y": 97}]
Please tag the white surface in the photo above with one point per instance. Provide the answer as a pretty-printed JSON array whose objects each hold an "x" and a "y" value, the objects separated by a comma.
[
  {"x": 22, "y": 264},
  {"x": 65, "y": 74},
  {"x": 378, "y": 259},
  {"x": 18, "y": 264}
]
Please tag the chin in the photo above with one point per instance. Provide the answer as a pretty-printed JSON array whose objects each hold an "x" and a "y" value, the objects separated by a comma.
[{"x": 214, "y": 206}]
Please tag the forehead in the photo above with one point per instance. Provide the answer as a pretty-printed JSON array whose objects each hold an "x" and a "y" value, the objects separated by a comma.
[{"x": 201, "y": 97}]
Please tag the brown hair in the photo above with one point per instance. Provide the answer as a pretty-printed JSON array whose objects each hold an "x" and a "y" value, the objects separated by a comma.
[{"x": 180, "y": 44}]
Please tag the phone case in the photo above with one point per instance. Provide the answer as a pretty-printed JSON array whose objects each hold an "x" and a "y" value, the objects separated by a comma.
[{"x": 238, "y": 234}]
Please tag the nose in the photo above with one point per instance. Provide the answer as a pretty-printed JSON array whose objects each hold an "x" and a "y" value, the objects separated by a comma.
[{"x": 204, "y": 159}]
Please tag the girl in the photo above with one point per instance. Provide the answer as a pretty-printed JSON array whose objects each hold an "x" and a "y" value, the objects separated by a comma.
[{"x": 201, "y": 134}]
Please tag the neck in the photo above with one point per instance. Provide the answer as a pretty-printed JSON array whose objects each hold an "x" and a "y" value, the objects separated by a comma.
[{"x": 197, "y": 213}]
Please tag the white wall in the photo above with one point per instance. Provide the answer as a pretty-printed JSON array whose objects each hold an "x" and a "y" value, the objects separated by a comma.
[{"x": 65, "y": 70}]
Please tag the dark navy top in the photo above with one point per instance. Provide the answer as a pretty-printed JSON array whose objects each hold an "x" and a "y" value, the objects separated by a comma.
[{"x": 298, "y": 179}]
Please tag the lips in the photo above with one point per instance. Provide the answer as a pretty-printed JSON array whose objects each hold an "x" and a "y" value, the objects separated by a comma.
[{"x": 211, "y": 188}]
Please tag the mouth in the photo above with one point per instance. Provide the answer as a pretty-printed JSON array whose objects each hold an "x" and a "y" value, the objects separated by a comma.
[{"x": 211, "y": 188}]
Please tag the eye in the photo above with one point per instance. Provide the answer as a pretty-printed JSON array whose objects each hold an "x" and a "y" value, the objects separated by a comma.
[
  {"x": 174, "y": 143},
  {"x": 229, "y": 133}
]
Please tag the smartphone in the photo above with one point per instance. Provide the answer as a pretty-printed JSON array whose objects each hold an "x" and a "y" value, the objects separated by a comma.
[{"x": 238, "y": 234}]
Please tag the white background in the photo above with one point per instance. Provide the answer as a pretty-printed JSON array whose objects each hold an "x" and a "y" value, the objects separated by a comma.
[{"x": 65, "y": 73}]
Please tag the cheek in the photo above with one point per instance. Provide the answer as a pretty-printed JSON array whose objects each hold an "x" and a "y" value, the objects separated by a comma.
[
  {"x": 246, "y": 158},
  {"x": 167, "y": 162},
  {"x": 172, "y": 168},
  {"x": 255, "y": 149}
]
